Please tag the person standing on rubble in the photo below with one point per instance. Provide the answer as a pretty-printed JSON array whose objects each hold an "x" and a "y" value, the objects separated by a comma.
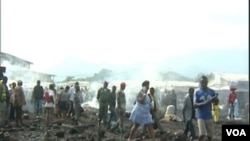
[
  {"x": 103, "y": 97},
  {"x": 63, "y": 101},
  {"x": 163, "y": 99},
  {"x": 188, "y": 114},
  {"x": 203, "y": 98},
  {"x": 18, "y": 102},
  {"x": 56, "y": 101},
  {"x": 49, "y": 104},
  {"x": 37, "y": 98},
  {"x": 216, "y": 109},
  {"x": 112, "y": 105},
  {"x": 154, "y": 109},
  {"x": 246, "y": 109},
  {"x": 71, "y": 111},
  {"x": 78, "y": 99},
  {"x": 12, "y": 108},
  {"x": 172, "y": 100},
  {"x": 236, "y": 107},
  {"x": 4, "y": 101},
  {"x": 231, "y": 98},
  {"x": 120, "y": 108}
]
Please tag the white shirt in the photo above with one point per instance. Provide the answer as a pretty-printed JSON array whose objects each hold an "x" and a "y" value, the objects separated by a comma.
[{"x": 71, "y": 92}]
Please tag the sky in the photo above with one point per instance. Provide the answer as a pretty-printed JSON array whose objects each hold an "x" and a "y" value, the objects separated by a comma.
[{"x": 123, "y": 33}]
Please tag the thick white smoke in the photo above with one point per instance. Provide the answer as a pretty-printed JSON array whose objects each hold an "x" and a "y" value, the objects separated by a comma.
[
  {"x": 133, "y": 79},
  {"x": 92, "y": 91}
]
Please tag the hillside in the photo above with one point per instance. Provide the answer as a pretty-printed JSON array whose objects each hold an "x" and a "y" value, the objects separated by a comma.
[{"x": 111, "y": 75}]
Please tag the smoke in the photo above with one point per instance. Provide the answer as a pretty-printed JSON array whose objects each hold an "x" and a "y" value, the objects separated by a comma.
[
  {"x": 29, "y": 78},
  {"x": 92, "y": 92},
  {"x": 133, "y": 77}
]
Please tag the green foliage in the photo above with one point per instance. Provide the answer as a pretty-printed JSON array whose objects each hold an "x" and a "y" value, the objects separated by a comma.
[
  {"x": 69, "y": 78},
  {"x": 170, "y": 75},
  {"x": 102, "y": 75}
]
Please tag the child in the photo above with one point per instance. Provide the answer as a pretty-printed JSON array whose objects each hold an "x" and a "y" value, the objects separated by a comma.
[{"x": 216, "y": 109}]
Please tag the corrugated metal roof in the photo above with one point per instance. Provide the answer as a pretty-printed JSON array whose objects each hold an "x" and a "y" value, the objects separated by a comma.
[{"x": 232, "y": 76}]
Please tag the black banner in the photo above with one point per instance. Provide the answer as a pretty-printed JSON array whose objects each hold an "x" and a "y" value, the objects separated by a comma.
[{"x": 234, "y": 132}]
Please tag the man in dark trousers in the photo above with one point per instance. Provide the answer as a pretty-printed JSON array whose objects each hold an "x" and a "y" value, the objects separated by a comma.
[
  {"x": 112, "y": 105},
  {"x": 4, "y": 101},
  {"x": 103, "y": 97},
  {"x": 37, "y": 97},
  {"x": 188, "y": 114}
]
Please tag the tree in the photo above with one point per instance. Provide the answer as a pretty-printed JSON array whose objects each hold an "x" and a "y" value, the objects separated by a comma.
[{"x": 69, "y": 78}]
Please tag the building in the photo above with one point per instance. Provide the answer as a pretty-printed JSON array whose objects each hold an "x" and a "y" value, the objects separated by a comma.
[
  {"x": 220, "y": 83},
  {"x": 224, "y": 79},
  {"x": 20, "y": 69}
]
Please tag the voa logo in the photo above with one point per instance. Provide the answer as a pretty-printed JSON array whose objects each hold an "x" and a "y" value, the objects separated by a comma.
[{"x": 236, "y": 132}]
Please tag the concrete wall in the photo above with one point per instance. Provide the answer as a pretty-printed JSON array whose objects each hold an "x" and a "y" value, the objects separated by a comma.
[{"x": 8, "y": 59}]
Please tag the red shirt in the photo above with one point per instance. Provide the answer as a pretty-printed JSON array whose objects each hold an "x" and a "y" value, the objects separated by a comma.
[{"x": 232, "y": 97}]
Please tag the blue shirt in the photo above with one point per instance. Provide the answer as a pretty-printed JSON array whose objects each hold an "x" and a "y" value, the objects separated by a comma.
[{"x": 204, "y": 112}]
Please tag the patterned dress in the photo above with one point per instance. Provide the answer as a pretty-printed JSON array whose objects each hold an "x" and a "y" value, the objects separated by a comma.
[{"x": 140, "y": 113}]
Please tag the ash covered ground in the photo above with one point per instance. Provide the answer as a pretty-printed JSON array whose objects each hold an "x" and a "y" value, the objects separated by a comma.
[{"x": 63, "y": 129}]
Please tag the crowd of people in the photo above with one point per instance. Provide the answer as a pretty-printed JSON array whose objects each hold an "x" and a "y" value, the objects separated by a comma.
[{"x": 67, "y": 103}]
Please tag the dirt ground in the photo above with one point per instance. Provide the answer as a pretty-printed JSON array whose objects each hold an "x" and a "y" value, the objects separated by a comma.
[{"x": 64, "y": 130}]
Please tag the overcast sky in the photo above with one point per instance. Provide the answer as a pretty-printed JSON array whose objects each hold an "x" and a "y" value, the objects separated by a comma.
[{"x": 122, "y": 32}]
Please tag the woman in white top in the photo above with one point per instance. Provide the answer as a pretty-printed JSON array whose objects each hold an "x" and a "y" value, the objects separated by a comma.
[{"x": 49, "y": 104}]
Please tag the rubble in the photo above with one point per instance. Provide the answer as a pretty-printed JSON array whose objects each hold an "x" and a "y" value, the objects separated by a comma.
[{"x": 62, "y": 129}]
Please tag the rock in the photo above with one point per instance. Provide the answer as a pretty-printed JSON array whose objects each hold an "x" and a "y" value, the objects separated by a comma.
[
  {"x": 72, "y": 131},
  {"x": 60, "y": 134},
  {"x": 13, "y": 139},
  {"x": 101, "y": 133},
  {"x": 1, "y": 135},
  {"x": 47, "y": 134},
  {"x": 37, "y": 120},
  {"x": 179, "y": 136},
  {"x": 55, "y": 126},
  {"x": 170, "y": 110},
  {"x": 87, "y": 130},
  {"x": 110, "y": 139},
  {"x": 32, "y": 128},
  {"x": 167, "y": 136},
  {"x": 25, "y": 116},
  {"x": 82, "y": 136},
  {"x": 48, "y": 139},
  {"x": 58, "y": 122}
]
